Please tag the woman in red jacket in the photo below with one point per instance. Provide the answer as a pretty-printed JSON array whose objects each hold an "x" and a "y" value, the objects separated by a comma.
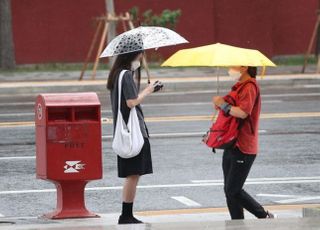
[{"x": 237, "y": 161}]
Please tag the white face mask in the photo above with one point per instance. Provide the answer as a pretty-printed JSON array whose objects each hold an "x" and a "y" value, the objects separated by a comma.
[
  {"x": 234, "y": 74},
  {"x": 135, "y": 65}
]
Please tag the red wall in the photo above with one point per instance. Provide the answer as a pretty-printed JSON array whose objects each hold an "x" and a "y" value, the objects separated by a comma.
[
  {"x": 53, "y": 30},
  {"x": 61, "y": 30}
]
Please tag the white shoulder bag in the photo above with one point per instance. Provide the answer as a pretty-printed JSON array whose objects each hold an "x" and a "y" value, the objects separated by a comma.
[{"x": 128, "y": 140}]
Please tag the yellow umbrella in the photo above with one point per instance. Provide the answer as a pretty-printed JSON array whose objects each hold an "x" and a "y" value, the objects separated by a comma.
[{"x": 218, "y": 55}]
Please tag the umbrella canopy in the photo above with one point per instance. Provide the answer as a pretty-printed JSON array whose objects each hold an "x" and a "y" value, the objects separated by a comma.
[
  {"x": 142, "y": 38},
  {"x": 218, "y": 55}
]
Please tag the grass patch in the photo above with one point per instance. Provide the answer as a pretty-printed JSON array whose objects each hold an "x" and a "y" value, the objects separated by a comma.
[
  {"x": 62, "y": 67},
  {"x": 292, "y": 60},
  {"x": 54, "y": 67},
  {"x": 285, "y": 60}
]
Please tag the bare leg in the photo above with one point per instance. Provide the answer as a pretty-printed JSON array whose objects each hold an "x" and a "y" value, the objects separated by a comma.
[
  {"x": 129, "y": 188},
  {"x": 128, "y": 195}
]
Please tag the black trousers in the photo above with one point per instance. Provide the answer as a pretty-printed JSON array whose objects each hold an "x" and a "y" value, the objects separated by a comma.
[{"x": 236, "y": 167}]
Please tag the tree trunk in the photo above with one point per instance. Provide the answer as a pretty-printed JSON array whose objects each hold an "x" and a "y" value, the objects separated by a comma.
[
  {"x": 7, "y": 58},
  {"x": 112, "y": 25}
]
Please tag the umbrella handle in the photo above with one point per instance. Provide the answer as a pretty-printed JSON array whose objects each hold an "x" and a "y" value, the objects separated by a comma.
[
  {"x": 145, "y": 65},
  {"x": 215, "y": 113}
]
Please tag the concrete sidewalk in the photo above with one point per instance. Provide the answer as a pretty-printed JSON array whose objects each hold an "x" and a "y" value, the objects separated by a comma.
[{"x": 290, "y": 217}]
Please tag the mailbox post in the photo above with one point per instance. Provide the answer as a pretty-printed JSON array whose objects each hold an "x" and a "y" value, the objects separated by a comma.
[{"x": 68, "y": 148}]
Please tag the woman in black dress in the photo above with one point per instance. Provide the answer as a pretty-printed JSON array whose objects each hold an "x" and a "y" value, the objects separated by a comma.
[{"x": 131, "y": 169}]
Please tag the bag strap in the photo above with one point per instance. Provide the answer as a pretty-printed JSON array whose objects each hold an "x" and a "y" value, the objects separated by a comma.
[{"x": 119, "y": 88}]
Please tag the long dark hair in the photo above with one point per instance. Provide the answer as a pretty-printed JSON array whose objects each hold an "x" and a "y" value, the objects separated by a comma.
[
  {"x": 123, "y": 61},
  {"x": 252, "y": 71}
]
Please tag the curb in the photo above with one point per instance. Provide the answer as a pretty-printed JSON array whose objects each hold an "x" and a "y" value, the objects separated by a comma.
[{"x": 171, "y": 84}]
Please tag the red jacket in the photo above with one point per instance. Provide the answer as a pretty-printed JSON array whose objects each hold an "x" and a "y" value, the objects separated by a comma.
[{"x": 249, "y": 101}]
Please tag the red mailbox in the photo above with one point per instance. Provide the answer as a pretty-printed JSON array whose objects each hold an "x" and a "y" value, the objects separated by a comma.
[{"x": 68, "y": 148}]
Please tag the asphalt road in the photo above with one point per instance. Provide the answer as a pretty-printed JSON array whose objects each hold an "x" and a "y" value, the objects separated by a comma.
[{"x": 186, "y": 173}]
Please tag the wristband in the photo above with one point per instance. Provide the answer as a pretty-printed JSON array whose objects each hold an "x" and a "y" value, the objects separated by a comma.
[{"x": 225, "y": 107}]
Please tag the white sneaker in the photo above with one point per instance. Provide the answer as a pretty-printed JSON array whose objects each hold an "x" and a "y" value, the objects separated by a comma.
[{"x": 271, "y": 216}]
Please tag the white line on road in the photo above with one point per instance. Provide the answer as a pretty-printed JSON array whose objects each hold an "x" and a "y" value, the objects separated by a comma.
[
  {"x": 18, "y": 158},
  {"x": 292, "y": 95},
  {"x": 292, "y": 198},
  {"x": 198, "y": 103},
  {"x": 16, "y": 114},
  {"x": 144, "y": 106},
  {"x": 254, "y": 181},
  {"x": 177, "y": 93},
  {"x": 16, "y": 103},
  {"x": 214, "y": 92},
  {"x": 277, "y": 195},
  {"x": 186, "y": 201},
  {"x": 311, "y": 86},
  {"x": 191, "y": 93},
  {"x": 195, "y": 103},
  {"x": 271, "y": 101},
  {"x": 190, "y": 134},
  {"x": 264, "y": 179},
  {"x": 295, "y": 200}
]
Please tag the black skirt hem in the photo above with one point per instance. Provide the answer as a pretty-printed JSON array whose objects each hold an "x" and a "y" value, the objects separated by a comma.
[{"x": 138, "y": 165}]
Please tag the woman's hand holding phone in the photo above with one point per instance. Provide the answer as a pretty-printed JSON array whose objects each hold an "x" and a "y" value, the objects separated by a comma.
[{"x": 157, "y": 86}]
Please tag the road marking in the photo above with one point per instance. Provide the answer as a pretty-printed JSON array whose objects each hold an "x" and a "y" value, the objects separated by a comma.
[
  {"x": 177, "y": 93},
  {"x": 271, "y": 101},
  {"x": 197, "y": 92},
  {"x": 183, "y": 118},
  {"x": 206, "y": 117},
  {"x": 192, "y": 93},
  {"x": 252, "y": 181},
  {"x": 282, "y": 207},
  {"x": 32, "y": 114},
  {"x": 296, "y": 200},
  {"x": 110, "y": 111},
  {"x": 16, "y": 103},
  {"x": 276, "y": 195},
  {"x": 144, "y": 106},
  {"x": 18, "y": 158},
  {"x": 195, "y": 103},
  {"x": 263, "y": 179},
  {"x": 292, "y": 95},
  {"x": 166, "y": 135},
  {"x": 186, "y": 201},
  {"x": 209, "y": 117},
  {"x": 17, "y": 124},
  {"x": 16, "y": 114},
  {"x": 221, "y": 209},
  {"x": 215, "y": 91},
  {"x": 159, "y": 135},
  {"x": 311, "y": 86},
  {"x": 292, "y": 198}
]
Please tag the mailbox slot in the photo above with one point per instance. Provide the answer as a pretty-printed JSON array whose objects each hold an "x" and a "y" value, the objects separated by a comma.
[
  {"x": 86, "y": 113},
  {"x": 56, "y": 114}
]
